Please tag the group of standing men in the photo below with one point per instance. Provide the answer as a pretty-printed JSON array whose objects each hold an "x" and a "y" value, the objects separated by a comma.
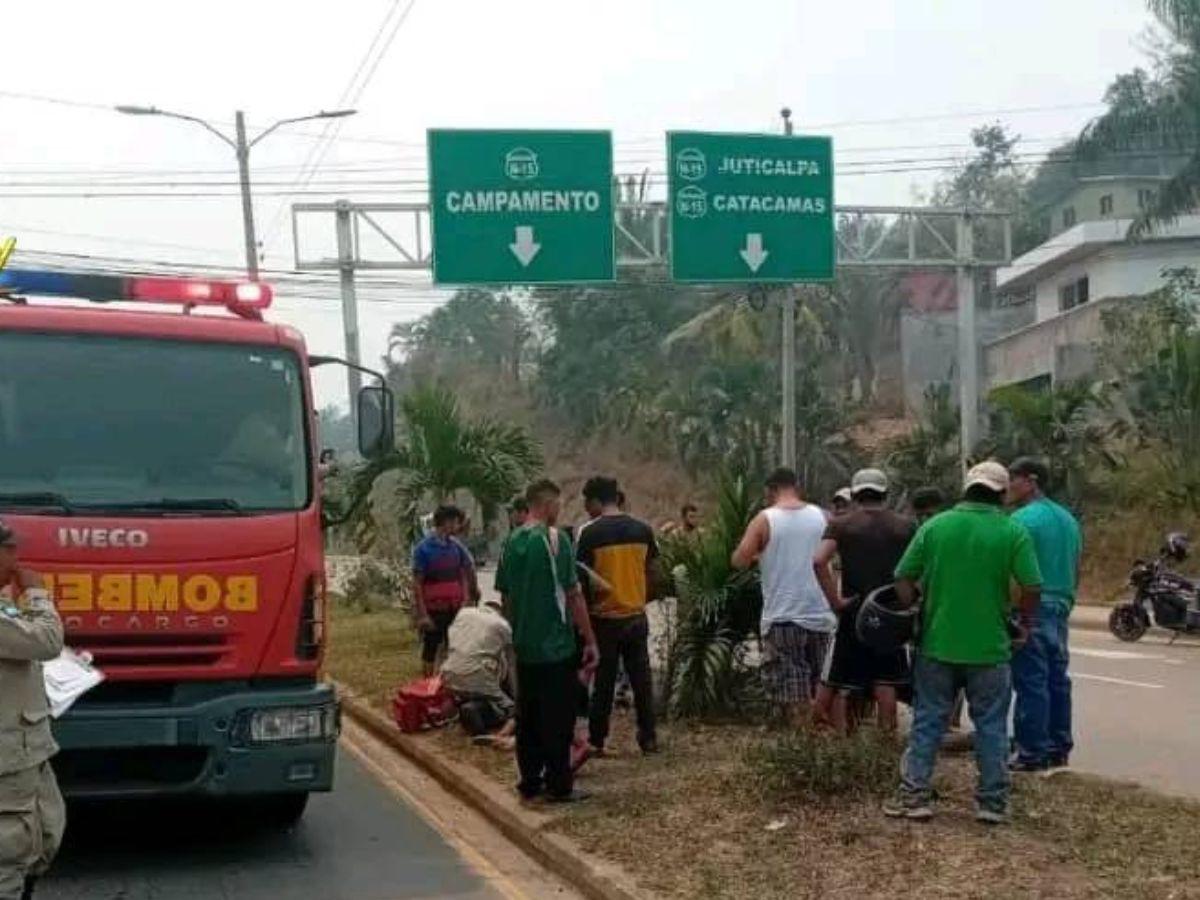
[
  {"x": 570, "y": 617},
  {"x": 962, "y": 566},
  {"x": 577, "y": 615}
]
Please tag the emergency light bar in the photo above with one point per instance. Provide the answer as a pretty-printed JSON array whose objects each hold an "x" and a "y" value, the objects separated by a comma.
[{"x": 237, "y": 296}]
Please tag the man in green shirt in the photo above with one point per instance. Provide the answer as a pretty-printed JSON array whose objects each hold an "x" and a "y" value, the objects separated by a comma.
[
  {"x": 1042, "y": 717},
  {"x": 965, "y": 560},
  {"x": 541, "y": 594}
]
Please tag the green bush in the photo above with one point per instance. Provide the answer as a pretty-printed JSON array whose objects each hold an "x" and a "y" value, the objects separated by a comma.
[
  {"x": 811, "y": 763},
  {"x": 378, "y": 585}
]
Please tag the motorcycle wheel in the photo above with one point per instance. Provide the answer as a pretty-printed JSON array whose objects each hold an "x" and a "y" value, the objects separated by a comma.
[{"x": 1127, "y": 623}]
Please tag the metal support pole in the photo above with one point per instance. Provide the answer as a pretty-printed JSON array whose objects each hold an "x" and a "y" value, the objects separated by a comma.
[
  {"x": 787, "y": 452},
  {"x": 345, "y": 246},
  {"x": 787, "y": 448},
  {"x": 968, "y": 339},
  {"x": 243, "y": 159}
]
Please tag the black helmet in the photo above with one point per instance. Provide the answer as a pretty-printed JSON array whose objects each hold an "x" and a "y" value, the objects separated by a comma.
[
  {"x": 881, "y": 624},
  {"x": 1176, "y": 546}
]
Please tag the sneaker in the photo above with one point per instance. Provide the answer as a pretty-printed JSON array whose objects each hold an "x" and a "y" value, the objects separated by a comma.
[
  {"x": 530, "y": 792},
  {"x": 991, "y": 816},
  {"x": 1056, "y": 765},
  {"x": 1019, "y": 765},
  {"x": 575, "y": 796},
  {"x": 903, "y": 806},
  {"x": 650, "y": 747}
]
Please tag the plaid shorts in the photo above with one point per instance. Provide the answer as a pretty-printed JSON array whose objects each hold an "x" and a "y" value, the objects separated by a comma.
[{"x": 792, "y": 661}]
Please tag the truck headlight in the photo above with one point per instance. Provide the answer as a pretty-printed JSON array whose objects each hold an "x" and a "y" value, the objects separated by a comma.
[{"x": 305, "y": 723}]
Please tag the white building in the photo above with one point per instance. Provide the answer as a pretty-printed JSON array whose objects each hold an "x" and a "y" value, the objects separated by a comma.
[{"x": 1087, "y": 266}]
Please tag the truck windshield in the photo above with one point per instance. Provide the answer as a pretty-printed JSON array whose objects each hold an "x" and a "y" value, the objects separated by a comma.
[{"x": 150, "y": 426}]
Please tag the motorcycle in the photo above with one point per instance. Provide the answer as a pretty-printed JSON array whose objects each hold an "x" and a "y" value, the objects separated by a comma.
[{"x": 1161, "y": 595}]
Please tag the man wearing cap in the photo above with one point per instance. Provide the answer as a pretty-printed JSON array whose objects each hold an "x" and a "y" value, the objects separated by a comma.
[
  {"x": 869, "y": 539},
  {"x": 32, "y": 815},
  {"x": 843, "y": 499},
  {"x": 1042, "y": 718},
  {"x": 966, "y": 560},
  {"x": 479, "y": 665}
]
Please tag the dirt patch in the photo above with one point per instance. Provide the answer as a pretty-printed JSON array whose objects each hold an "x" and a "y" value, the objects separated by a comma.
[{"x": 699, "y": 820}]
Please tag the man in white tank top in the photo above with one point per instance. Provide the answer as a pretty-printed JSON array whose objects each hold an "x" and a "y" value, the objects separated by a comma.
[{"x": 797, "y": 623}]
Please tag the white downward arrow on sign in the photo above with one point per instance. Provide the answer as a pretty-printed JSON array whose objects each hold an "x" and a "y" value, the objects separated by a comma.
[
  {"x": 754, "y": 254},
  {"x": 523, "y": 248}
]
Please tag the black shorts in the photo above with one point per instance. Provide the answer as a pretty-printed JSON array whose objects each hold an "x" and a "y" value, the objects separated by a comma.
[
  {"x": 853, "y": 666},
  {"x": 433, "y": 639}
]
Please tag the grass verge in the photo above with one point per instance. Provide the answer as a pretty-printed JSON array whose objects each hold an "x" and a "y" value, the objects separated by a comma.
[
  {"x": 372, "y": 651},
  {"x": 734, "y": 811}
]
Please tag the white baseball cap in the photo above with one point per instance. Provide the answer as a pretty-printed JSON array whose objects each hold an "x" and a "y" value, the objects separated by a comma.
[
  {"x": 868, "y": 480},
  {"x": 990, "y": 474}
]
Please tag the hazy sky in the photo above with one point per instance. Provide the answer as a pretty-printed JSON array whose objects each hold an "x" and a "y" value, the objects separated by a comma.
[{"x": 898, "y": 83}]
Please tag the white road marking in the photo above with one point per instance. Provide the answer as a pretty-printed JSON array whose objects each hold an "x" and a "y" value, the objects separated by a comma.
[
  {"x": 1121, "y": 681},
  {"x": 1114, "y": 654}
]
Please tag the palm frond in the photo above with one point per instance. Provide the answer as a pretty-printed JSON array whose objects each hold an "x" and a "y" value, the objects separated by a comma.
[
  {"x": 1181, "y": 17},
  {"x": 1177, "y": 197}
]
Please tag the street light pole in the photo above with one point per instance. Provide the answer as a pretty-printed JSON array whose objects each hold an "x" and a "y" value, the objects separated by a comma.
[{"x": 241, "y": 148}]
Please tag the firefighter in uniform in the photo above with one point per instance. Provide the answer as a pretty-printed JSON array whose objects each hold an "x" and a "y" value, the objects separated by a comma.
[{"x": 32, "y": 814}]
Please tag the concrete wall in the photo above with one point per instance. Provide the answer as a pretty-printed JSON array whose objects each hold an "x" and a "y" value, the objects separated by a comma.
[
  {"x": 929, "y": 346},
  {"x": 1122, "y": 270},
  {"x": 1086, "y": 201},
  {"x": 1063, "y": 347}
]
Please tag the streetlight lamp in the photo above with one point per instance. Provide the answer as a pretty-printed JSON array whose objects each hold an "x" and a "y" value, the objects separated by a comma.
[{"x": 241, "y": 148}]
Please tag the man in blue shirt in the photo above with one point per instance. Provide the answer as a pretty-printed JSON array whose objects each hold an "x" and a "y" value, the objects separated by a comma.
[
  {"x": 443, "y": 580},
  {"x": 1042, "y": 719}
]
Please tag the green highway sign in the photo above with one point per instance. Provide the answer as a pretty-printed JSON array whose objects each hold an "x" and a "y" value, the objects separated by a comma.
[
  {"x": 521, "y": 207},
  {"x": 750, "y": 207}
]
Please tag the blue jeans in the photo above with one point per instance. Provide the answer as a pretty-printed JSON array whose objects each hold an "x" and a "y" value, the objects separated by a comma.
[
  {"x": 1042, "y": 722},
  {"x": 989, "y": 692}
]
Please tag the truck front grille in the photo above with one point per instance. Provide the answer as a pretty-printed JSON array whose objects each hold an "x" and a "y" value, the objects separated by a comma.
[
  {"x": 139, "y": 651},
  {"x": 128, "y": 770}
]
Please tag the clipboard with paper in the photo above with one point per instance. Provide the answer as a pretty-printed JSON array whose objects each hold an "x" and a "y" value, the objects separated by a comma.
[{"x": 68, "y": 677}]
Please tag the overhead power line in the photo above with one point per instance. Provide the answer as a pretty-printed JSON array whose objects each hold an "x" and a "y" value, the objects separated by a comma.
[
  {"x": 842, "y": 167},
  {"x": 416, "y": 189},
  {"x": 947, "y": 115},
  {"x": 418, "y": 162},
  {"x": 351, "y": 95}
]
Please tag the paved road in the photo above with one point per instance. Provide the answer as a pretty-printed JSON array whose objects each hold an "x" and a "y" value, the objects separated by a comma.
[
  {"x": 359, "y": 843},
  {"x": 1137, "y": 710}
]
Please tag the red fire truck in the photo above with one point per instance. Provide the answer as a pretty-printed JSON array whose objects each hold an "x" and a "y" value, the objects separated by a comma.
[{"x": 161, "y": 468}]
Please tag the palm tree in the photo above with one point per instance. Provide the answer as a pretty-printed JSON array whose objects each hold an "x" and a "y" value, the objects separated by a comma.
[
  {"x": 929, "y": 454},
  {"x": 1068, "y": 425},
  {"x": 718, "y": 607},
  {"x": 1168, "y": 123},
  {"x": 441, "y": 453}
]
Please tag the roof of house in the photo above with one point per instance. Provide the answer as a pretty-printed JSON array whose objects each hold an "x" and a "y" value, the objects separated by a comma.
[{"x": 1080, "y": 242}]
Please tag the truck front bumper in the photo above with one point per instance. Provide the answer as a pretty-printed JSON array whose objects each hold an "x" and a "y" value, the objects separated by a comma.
[{"x": 201, "y": 746}]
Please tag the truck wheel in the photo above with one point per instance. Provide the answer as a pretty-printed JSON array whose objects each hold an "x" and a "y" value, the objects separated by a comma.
[{"x": 281, "y": 811}]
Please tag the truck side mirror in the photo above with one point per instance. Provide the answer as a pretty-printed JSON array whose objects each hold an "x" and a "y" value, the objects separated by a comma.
[{"x": 376, "y": 421}]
